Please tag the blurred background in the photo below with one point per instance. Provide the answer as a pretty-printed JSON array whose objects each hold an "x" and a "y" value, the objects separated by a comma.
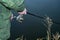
[{"x": 32, "y": 27}]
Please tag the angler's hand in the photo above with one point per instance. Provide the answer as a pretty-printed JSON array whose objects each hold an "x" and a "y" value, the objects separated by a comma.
[
  {"x": 20, "y": 17},
  {"x": 24, "y": 12}
]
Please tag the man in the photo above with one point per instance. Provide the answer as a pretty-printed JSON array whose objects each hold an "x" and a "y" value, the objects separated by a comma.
[{"x": 5, "y": 14}]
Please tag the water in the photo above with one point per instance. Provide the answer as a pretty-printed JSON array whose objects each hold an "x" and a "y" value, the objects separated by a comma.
[{"x": 32, "y": 27}]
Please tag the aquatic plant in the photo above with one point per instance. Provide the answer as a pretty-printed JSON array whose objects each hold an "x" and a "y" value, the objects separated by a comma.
[
  {"x": 47, "y": 21},
  {"x": 20, "y": 38},
  {"x": 56, "y": 36},
  {"x": 39, "y": 38}
]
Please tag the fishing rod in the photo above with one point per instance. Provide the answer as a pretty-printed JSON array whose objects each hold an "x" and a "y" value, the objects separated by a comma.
[{"x": 40, "y": 17}]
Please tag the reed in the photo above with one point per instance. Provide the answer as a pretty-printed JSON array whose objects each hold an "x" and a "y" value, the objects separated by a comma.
[{"x": 47, "y": 21}]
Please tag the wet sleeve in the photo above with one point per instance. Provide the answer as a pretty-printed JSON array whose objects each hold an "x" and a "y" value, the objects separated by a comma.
[{"x": 17, "y": 5}]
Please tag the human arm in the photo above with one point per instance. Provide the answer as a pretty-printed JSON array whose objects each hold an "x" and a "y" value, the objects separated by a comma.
[{"x": 17, "y": 5}]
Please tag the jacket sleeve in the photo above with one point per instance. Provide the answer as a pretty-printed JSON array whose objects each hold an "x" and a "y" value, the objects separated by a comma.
[{"x": 17, "y": 5}]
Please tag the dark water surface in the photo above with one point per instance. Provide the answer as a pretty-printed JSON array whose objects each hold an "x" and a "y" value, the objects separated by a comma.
[{"x": 32, "y": 27}]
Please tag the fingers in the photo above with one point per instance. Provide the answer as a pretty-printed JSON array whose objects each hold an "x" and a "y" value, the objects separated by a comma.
[{"x": 23, "y": 12}]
